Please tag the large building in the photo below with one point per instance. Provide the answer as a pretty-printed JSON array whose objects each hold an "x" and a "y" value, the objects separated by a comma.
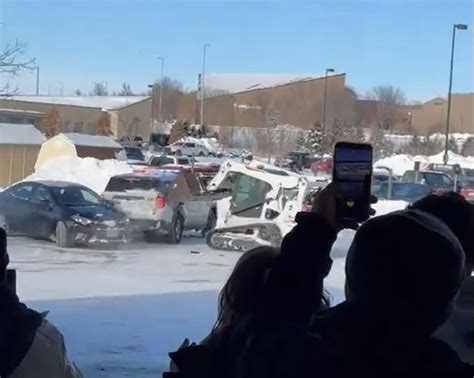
[
  {"x": 299, "y": 102},
  {"x": 129, "y": 115}
]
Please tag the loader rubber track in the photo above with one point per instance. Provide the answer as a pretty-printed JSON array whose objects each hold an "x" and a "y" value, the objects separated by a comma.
[{"x": 244, "y": 238}]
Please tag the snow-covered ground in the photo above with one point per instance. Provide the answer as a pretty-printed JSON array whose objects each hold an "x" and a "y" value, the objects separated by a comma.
[{"x": 122, "y": 311}]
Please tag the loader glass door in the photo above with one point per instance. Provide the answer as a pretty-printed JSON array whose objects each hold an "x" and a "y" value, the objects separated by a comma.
[{"x": 249, "y": 197}]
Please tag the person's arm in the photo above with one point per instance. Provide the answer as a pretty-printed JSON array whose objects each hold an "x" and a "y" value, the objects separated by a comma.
[
  {"x": 47, "y": 356},
  {"x": 295, "y": 282}
]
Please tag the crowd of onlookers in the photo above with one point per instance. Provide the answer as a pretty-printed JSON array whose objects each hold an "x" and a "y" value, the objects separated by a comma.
[{"x": 408, "y": 309}]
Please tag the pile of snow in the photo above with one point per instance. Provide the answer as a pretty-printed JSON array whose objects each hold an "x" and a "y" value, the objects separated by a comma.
[
  {"x": 402, "y": 162},
  {"x": 90, "y": 172},
  {"x": 387, "y": 206}
]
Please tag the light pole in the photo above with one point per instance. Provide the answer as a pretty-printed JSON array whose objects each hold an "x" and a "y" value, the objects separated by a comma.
[
  {"x": 324, "y": 103},
  {"x": 161, "y": 88},
  {"x": 446, "y": 137},
  {"x": 37, "y": 80},
  {"x": 152, "y": 86},
  {"x": 203, "y": 80}
]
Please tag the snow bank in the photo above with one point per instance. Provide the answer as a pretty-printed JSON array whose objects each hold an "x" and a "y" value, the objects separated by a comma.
[
  {"x": 89, "y": 172},
  {"x": 402, "y": 162},
  {"x": 387, "y": 206}
]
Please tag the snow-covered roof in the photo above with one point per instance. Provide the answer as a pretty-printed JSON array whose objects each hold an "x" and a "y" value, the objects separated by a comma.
[
  {"x": 237, "y": 82},
  {"x": 102, "y": 102},
  {"x": 32, "y": 112},
  {"x": 90, "y": 140},
  {"x": 11, "y": 133}
]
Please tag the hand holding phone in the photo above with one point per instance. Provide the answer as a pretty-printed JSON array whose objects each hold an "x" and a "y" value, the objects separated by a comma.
[{"x": 352, "y": 173}]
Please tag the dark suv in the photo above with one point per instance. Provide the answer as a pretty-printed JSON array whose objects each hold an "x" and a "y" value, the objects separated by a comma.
[{"x": 437, "y": 182}]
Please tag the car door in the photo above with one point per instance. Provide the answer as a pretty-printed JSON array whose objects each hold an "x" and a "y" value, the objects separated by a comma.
[
  {"x": 16, "y": 207},
  {"x": 46, "y": 212},
  {"x": 196, "y": 206}
]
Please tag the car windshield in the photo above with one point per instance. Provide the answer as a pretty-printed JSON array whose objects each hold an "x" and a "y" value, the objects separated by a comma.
[
  {"x": 75, "y": 196},
  {"x": 124, "y": 184}
]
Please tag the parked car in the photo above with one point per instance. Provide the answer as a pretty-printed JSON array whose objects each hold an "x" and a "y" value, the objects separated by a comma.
[
  {"x": 161, "y": 160},
  {"x": 188, "y": 149},
  {"x": 466, "y": 184},
  {"x": 64, "y": 212},
  {"x": 323, "y": 165},
  {"x": 160, "y": 202},
  {"x": 134, "y": 154},
  {"x": 301, "y": 159},
  {"x": 404, "y": 191},
  {"x": 436, "y": 181}
]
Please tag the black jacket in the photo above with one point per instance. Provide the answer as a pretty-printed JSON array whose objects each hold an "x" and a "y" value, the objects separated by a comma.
[
  {"x": 18, "y": 326},
  {"x": 368, "y": 345},
  {"x": 273, "y": 342}
]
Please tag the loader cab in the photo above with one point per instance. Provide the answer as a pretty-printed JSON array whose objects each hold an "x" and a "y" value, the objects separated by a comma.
[{"x": 248, "y": 198}]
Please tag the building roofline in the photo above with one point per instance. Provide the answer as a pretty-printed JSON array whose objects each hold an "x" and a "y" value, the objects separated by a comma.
[
  {"x": 10, "y": 98},
  {"x": 276, "y": 86}
]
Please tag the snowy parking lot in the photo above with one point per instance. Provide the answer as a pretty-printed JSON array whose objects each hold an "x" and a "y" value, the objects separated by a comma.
[{"x": 122, "y": 311}]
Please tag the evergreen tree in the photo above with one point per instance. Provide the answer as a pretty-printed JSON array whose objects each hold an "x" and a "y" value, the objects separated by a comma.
[
  {"x": 468, "y": 147},
  {"x": 301, "y": 142},
  {"x": 452, "y": 145},
  {"x": 359, "y": 134},
  {"x": 315, "y": 139},
  {"x": 415, "y": 147},
  {"x": 431, "y": 146}
]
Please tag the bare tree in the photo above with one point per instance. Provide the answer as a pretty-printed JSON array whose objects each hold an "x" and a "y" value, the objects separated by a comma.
[
  {"x": 171, "y": 91},
  {"x": 389, "y": 98},
  {"x": 78, "y": 92},
  {"x": 125, "y": 90},
  {"x": 12, "y": 63},
  {"x": 215, "y": 92},
  {"x": 387, "y": 94},
  {"x": 99, "y": 89}
]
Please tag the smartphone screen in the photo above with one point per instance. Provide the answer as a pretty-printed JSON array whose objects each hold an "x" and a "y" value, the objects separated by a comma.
[{"x": 352, "y": 169}]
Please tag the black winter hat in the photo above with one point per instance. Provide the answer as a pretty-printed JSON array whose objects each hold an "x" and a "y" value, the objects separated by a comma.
[{"x": 405, "y": 258}]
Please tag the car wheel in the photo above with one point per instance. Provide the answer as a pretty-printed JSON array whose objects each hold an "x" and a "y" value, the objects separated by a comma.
[
  {"x": 176, "y": 230},
  {"x": 63, "y": 237},
  {"x": 211, "y": 222},
  {"x": 201, "y": 153},
  {"x": 178, "y": 153}
]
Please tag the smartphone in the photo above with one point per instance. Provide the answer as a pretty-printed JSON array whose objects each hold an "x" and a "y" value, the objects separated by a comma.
[
  {"x": 352, "y": 170},
  {"x": 11, "y": 280}
]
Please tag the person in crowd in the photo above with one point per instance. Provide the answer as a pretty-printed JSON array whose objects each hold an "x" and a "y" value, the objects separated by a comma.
[
  {"x": 403, "y": 272},
  {"x": 237, "y": 301},
  {"x": 30, "y": 346},
  {"x": 458, "y": 215},
  {"x": 266, "y": 306}
]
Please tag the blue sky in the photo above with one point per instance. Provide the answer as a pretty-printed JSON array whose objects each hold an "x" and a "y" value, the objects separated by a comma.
[{"x": 404, "y": 43}]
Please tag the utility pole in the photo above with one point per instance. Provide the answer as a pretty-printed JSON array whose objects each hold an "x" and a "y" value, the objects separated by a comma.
[
  {"x": 324, "y": 105},
  {"x": 160, "y": 99},
  {"x": 152, "y": 121},
  {"x": 446, "y": 137},
  {"x": 37, "y": 80},
  {"x": 203, "y": 80}
]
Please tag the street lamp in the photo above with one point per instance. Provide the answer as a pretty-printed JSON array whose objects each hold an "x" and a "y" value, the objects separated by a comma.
[
  {"x": 152, "y": 86},
  {"x": 446, "y": 138},
  {"x": 324, "y": 102},
  {"x": 37, "y": 80},
  {"x": 203, "y": 76},
  {"x": 161, "y": 87}
]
